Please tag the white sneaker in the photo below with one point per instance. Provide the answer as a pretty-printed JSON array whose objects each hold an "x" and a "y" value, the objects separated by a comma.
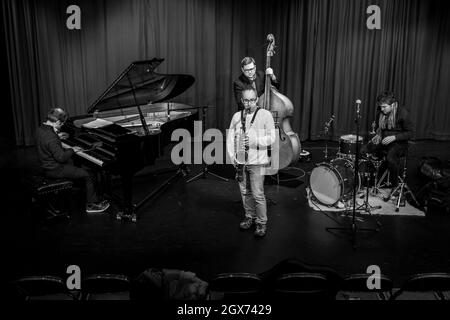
[{"x": 97, "y": 207}]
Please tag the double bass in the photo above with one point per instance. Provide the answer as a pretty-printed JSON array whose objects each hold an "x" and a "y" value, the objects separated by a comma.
[{"x": 282, "y": 109}]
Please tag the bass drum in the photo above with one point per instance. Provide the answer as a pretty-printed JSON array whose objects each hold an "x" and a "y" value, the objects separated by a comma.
[{"x": 330, "y": 182}]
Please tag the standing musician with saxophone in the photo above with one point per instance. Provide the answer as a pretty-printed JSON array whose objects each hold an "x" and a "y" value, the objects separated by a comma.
[{"x": 251, "y": 132}]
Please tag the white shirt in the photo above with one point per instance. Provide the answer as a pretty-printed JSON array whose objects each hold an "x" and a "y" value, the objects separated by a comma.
[{"x": 261, "y": 135}]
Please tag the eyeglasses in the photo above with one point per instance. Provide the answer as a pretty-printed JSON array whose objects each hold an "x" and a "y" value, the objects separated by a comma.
[
  {"x": 249, "y": 70},
  {"x": 247, "y": 101}
]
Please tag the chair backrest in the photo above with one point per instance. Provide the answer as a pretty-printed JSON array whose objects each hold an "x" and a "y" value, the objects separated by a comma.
[
  {"x": 305, "y": 285},
  {"x": 106, "y": 287},
  {"x": 235, "y": 286},
  {"x": 43, "y": 288},
  {"x": 433, "y": 283},
  {"x": 355, "y": 287}
]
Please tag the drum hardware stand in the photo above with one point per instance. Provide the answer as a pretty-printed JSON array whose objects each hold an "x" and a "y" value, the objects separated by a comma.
[
  {"x": 205, "y": 171},
  {"x": 366, "y": 206},
  {"x": 402, "y": 189},
  {"x": 354, "y": 228},
  {"x": 376, "y": 187},
  {"x": 386, "y": 175},
  {"x": 346, "y": 214}
]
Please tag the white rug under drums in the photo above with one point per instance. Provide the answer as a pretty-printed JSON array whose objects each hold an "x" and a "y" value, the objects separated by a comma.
[{"x": 387, "y": 208}]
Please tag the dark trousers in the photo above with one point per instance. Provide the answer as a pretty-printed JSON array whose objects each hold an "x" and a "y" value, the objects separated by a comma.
[
  {"x": 80, "y": 175},
  {"x": 393, "y": 153}
]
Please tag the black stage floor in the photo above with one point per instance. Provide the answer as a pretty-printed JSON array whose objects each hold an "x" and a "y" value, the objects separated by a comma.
[{"x": 195, "y": 227}]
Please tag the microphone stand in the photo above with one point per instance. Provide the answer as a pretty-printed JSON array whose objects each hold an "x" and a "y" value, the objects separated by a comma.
[
  {"x": 366, "y": 206},
  {"x": 205, "y": 171},
  {"x": 354, "y": 228},
  {"x": 326, "y": 129},
  {"x": 326, "y": 142}
]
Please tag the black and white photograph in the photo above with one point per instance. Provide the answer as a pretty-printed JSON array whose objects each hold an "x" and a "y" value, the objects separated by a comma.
[{"x": 225, "y": 156}]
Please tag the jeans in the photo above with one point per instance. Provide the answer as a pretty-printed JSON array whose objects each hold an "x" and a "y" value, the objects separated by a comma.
[
  {"x": 252, "y": 192},
  {"x": 393, "y": 153},
  {"x": 79, "y": 175}
]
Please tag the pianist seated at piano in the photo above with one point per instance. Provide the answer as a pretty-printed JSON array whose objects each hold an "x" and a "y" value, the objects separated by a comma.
[{"x": 56, "y": 161}]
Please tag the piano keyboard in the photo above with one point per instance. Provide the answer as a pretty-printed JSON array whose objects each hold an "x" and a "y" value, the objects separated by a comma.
[{"x": 66, "y": 144}]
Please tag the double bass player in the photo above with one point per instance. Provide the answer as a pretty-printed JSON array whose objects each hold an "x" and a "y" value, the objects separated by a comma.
[{"x": 250, "y": 76}]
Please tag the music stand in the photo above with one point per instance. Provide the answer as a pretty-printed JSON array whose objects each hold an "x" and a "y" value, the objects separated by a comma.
[
  {"x": 205, "y": 171},
  {"x": 353, "y": 228}
]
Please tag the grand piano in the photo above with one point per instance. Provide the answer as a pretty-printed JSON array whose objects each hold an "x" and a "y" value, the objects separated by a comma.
[{"x": 128, "y": 126}]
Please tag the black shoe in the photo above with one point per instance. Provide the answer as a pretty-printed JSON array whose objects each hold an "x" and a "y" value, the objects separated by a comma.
[
  {"x": 261, "y": 230},
  {"x": 246, "y": 224},
  {"x": 97, "y": 207}
]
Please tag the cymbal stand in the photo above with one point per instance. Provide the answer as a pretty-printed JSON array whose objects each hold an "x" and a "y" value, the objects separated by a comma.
[{"x": 205, "y": 171}]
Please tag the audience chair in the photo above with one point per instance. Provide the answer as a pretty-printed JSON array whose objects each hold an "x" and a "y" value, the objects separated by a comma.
[
  {"x": 354, "y": 287},
  {"x": 43, "y": 288},
  {"x": 105, "y": 287},
  {"x": 425, "y": 286},
  {"x": 303, "y": 285},
  {"x": 227, "y": 286}
]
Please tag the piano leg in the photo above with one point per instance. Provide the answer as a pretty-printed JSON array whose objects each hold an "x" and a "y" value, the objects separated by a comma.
[
  {"x": 129, "y": 210},
  {"x": 181, "y": 172}
]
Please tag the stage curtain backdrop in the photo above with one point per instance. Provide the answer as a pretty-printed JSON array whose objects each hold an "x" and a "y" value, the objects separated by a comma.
[{"x": 326, "y": 58}]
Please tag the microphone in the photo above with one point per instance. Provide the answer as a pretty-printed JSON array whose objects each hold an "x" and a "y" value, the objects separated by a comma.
[
  {"x": 330, "y": 121},
  {"x": 358, "y": 105}
]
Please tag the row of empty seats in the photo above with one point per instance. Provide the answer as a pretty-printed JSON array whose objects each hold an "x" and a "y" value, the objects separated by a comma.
[
  {"x": 240, "y": 286},
  {"x": 94, "y": 287}
]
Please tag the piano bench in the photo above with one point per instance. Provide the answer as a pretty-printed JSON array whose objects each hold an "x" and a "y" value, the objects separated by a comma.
[{"x": 46, "y": 192}]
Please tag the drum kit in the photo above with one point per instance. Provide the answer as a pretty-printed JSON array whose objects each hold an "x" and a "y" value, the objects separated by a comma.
[
  {"x": 332, "y": 183},
  {"x": 337, "y": 182}
]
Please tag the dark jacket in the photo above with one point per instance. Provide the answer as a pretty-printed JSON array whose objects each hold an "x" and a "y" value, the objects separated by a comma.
[
  {"x": 240, "y": 83},
  {"x": 404, "y": 127},
  {"x": 50, "y": 152}
]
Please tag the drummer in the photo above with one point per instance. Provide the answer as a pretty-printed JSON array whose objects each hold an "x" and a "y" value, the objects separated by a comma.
[{"x": 393, "y": 131}]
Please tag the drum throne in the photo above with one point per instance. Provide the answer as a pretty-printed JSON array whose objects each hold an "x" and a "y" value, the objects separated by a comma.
[{"x": 402, "y": 189}]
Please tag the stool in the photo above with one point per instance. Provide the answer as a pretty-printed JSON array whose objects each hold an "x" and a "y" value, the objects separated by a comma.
[
  {"x": 402, "y": 188},
  {"x": 42, "y": 189}
]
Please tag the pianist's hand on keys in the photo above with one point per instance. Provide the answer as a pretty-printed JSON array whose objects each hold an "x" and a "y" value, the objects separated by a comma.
[
  {"x": 77, "y": 149},
  {"x": 63, "y": 135}
]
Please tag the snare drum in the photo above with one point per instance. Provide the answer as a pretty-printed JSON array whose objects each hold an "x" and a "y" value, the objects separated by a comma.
[
  {"x": 331, "y": 182},
  {"x": 347, "y": 145}
]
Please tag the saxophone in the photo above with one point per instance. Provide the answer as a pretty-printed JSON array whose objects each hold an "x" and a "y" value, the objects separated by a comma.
[{"x": 241, "y": 152}]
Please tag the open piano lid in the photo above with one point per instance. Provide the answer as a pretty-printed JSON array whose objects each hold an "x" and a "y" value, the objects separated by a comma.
[{"x": 139, "y": 85}]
